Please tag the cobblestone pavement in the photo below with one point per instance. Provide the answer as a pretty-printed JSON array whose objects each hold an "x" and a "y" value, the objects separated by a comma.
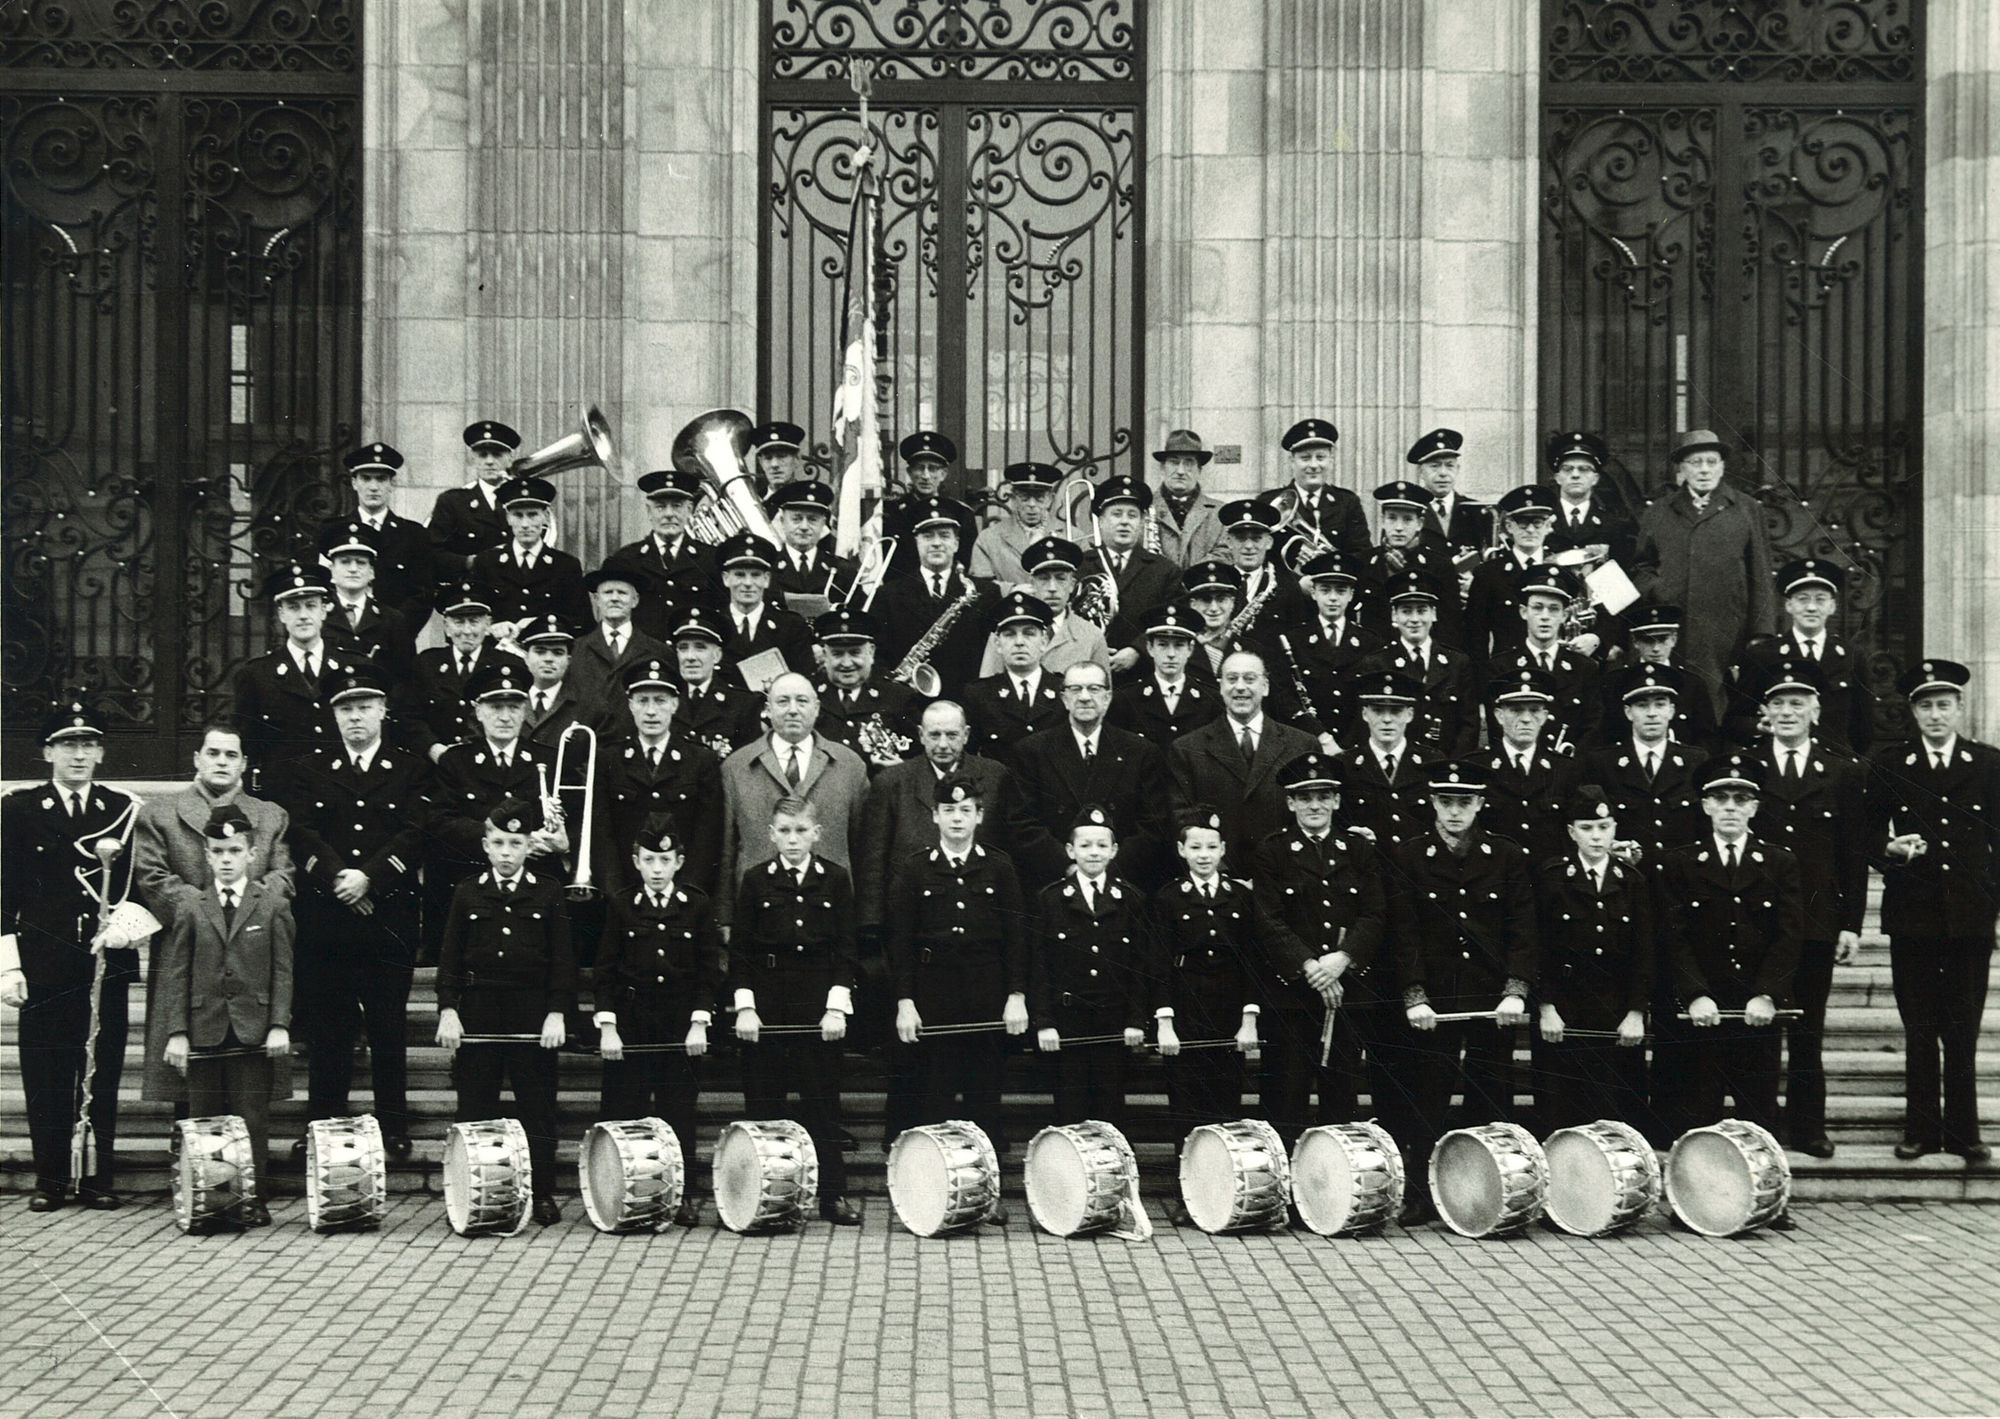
[{"x": 1869, "y": 1309}]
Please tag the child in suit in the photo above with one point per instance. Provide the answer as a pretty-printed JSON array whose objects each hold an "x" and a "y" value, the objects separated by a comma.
[
  {"x": 792, "y": 964},
  {"x": 661, "y": 961},
  {"x": 226, "y": 988}
]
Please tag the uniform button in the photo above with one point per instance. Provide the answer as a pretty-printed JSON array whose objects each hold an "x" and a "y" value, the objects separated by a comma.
[
  {"x": 1093, "y": 974},
  {"x": 506, "y": 931},
  {"x": 661, "y": 979}
]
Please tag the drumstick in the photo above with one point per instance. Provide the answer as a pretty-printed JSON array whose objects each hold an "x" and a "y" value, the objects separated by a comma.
[
  {"x": 1738, "y": 1015},
  {"x": 1228, "y": 1042},
  {"x": 973, "y": 1027},
  {"x": 499, "y": 1039},
  {"x": 1453, "y": 1017}
]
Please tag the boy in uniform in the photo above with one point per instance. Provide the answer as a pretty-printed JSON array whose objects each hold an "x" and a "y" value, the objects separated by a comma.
[
  {"x": 660, "y": 961},
  {"x": 505, "y": 968},
  {"x": 1166, "y": 702},
  {"x": 1321, "y": 653},
  {"x": 226, "y": 987},
  {"x": 792, "y": 964}
]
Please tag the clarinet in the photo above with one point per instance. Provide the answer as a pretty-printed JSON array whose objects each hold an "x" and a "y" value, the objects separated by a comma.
[{"x": 1303, "y": 690}]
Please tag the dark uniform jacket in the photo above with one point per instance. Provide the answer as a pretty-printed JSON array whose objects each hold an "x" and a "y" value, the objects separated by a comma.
[
  {"x": 431, "y": 709},
  {"x": 1603, "y": 522},
  {"x": 1150, "y": 580},
  {"x": 1463, "y": 929},
  {"x": 1127, "y": 775},
  {"x": 998, "y": 719},
  {"x": 1527, "y": 805},
  {"x": 505, "y": 963},
  {"x": 1336, "y": 514},
  {"x": 957, "y": 939},
  {"x": 377, "y": 823},
  {"x": 464, "y": 522},
  {"x": 1471, "y": 524},
  {"x": 1210, "y": 949},
  {"x": 896, "y": 822},
  {"x": 1447, "y": 719},
  {"x": 777, "y": 629},
  {"x": 791, "y": 578},
  {"x": 1493, "y": 623},
  {"x": 1326, "y": 665},
  {"x": 469, "y": 780},
  {"x": 1312, "y": 898},
  {"x": 552, "y": 585},
  {"x": 565, "y": 707},
  {"x": 1694, "y": 712},
  {"x": 1846, "y": 705},
  {"x": 216, "y": 977},
  {"x": 791, "y": 943},
  {"x": 725, "y": 715},
  {"x": 281, "y": 712},
  {"x": 1733, "y": 940},
  {"x": 896, "y": 523},
  {"x": 1953, "y": 890},
  {"x": 1577, "y": 711},
  {"x": 657, "y": 965},
  {"x": 1394, "y": 810},
  {"x": 42, "y": 901},
  {"x": 375, "y": 633},
  {"x": 1140, "y": 707},
  {"x": 1097, "y": 966},
  {"x": 889, "y": 704},
  {"x": 405, "y": 576},
  {"x": 906, "y": 611},
  {"x": 1208, "y": 767},
  {"x": 687, "y": 786},
  {"x": 1597, "y": 947},
  {"x": 668, "y": 582},
  {"x": 1430, "y": 561},
  {"x": 599, "y": 679},
  {"x": 1816, "y": 816},
  {"x": 1657, "y": 815}
]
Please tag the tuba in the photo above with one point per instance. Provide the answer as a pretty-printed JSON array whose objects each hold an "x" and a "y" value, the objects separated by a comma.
[
  {"x": 589, "y": 447},
  {"x": 716, "y": 445}
]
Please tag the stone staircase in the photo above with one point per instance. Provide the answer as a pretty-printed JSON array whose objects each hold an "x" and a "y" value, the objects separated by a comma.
[{"x": 1864, "y": 1067}]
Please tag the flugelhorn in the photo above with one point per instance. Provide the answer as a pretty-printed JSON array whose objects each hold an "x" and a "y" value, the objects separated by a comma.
[
  {"x": 716, "y": 445},
  {"x": 589, "y": 447}
]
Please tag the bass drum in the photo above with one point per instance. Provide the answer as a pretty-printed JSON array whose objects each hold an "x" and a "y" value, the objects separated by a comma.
[
  {"x": 1489, "y": 1181},
  {"x": 1729, "y": 1178},
  {"x": 1347, "y": 1178},
  {"x": 766, "y": 1175},
  {"x": 1235, "y": 1177},
  {"x": 943, "y": 1177},
  {"x": 631, "y": 1175},
  {"x": 347, "y": 1174}
]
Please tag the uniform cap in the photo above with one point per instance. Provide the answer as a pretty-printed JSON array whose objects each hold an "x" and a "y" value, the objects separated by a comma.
[
  {"x": 373, "y": 458},
  {"x": 1736, "y": 771},
  {"x": 226, "y": 822},
  {"x": 1438, "y": 443},
  {"x": 546, "y": 630},
  {"x": 1929, "y": 675},
  {"x": 491, "y": 433},
  {"x": 358, "y": 682},
  {"x": 1455, "y": 776},
  {"x": 1653, "y": 618},
  {"x": 1094, "y": 815},
  {"x": 930, "y": 444},
  {"x": 702, "y": 623},
  {"x": 657, "y": 834},
  {"x": 954, "y": 789},
  {"x": 1386, "y": 687},
  {"x": 745, "y": 549},
  {"x": 1330, "y": 565},
  {"x": 1529, "y": 685},
  {"x": 1174, "y": 618},
  {"x": 347, "y": 539},
  {"x": 1120, "y": 488},
  {"x": 1019, "y": 606},
  {"x": 499, "y": 677},
  {"x": 651, "y": 674},
  {"x": 1812, "y": 571},
  {"x": 1247, "y": 515},
  {"x": 1031, "y": 475},
  {"x": 808, "y": 493},
  {"x": 1586, "y": 801},
  {"x": 936, "y": 512},
  {"x": 516, "y": 815},
  {"x": 72, "y": 721},
  {"x": 1639, "y": 681},
  {"x": 465, "y": 599},
  {"x": 1310, "y": 433},
  {"x": 1211, "y": 576},
  {"x": 1528, "y": 500},
  {"x": 297, "y": 580},
  {"x": 525, "y": 492},
  {"x": 1404, "y": 493},
  {"x": 1051, "y": 552},
  {"x": 1577, "y": 444},
  {"x": 777, "y": 434},
  {"x": 1311, "y": 769},
  {"x": 664, "y": 484},
  {"x": 1409, "y": 586},
  {"x": 845, "y": 623}
]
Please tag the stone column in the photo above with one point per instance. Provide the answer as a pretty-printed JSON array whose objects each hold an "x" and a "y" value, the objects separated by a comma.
[{"x": 1961, "y": 497}]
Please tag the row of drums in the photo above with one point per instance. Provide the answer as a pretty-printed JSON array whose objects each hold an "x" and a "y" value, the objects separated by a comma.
[{"x": 1494, "y": 1180}]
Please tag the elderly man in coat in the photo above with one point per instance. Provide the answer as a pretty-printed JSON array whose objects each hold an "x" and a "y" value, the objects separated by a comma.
[
  {"x": 1703, "y": 548},
  {"x": 171, "y": 870},
  {"x": 789, "y": 762}
]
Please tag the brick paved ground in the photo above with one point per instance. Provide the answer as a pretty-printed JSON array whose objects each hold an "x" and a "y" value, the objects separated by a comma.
[{"x": 1870, "y": 1309}]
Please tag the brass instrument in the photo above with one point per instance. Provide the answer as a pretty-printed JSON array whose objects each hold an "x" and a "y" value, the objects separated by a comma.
[
  {"x": 716, "y": 445},
  {"x": 589, "y": 447},
  {"x": 915, "y": 669},
  {"x": 713, "y": 521},
  {"x": 1073, "y": 491},
  {"x": 880, "y": 743},
  {"x": 1241, "y": 621},
  {"x": 1150, "y": 538},
  {"x": 579, "y": 888},
  {"x": 1306, "y": 541}
]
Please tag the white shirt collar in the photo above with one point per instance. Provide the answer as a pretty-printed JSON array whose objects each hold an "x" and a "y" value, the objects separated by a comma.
[
  {"x": 317, "y": 650},
  {"x": 496, "y": 751},
  {"x": 1946, "y": 751},
  {"x": 1640, "y": 751},
  {"x": 1086, "y": 743},
  {"x": 1255, "y": 724},
  {"x": 1401, "y": 751},
  {"x": 1722, "y": 848},
  {"x": 804, "y": 746},
  {"x": 366, "y": 758}
]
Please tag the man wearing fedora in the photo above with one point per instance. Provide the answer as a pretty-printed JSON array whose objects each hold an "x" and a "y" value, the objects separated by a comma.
[
  {"x": 1703, "y": 547},
  {"x": 1191, "y": 530}
]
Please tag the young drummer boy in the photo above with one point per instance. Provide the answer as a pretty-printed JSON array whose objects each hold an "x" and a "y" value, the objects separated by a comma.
[
  {"x": 792, "y": 965},
  {"x": 660, "y": 963},
  {"x": 1204, "y": 925},
  {"x": 1094, "y": 975},
  {"x": 226, "y": 988},
  {"x": 505, "y": 969}
]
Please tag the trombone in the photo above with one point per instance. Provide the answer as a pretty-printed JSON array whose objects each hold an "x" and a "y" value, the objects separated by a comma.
[{"x": 578, "y": 888}]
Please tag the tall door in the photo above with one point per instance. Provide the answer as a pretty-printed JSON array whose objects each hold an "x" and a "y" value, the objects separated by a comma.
[
  {"x": 181, "y": 346},
  {"x": 1732, "y": 239},
  {"x": 1010, "y": 141}
]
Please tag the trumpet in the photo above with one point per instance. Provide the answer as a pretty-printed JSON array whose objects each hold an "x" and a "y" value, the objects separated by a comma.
[{"x": 579, "y": 888}]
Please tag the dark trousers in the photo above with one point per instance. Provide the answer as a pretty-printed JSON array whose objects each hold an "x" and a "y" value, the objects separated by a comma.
[
  {"x": 1940, "y": 985},
  {"x": 530, "y": 1071},
  {"x": 1380, "y": 1031},
  {"x": 353, "y": 977},
  {"x": 1473, "y": 1056},
  {"x": 1207, "y": 1085},
  {"x": 1740, "y": 1062},
  {"x": 1671, "y": 1108},
  {"x": 779, "y": 1066},
  {"x": 666, "y": 1086},
  {"x": 55, "y": 1023},
  {"x": 1292, "y": 1072},
  {"x": 1805, "y": 1065},
  {"x": 1090, "y": 1079},
  {"x": 240, "y": 1085},
  {"x": 954, "y": 1068},
  {"x": 1582, "y": 1081}
]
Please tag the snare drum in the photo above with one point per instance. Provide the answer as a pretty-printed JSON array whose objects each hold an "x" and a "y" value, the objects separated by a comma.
[
  {"x": 943, "y": 1177},
  {"x": 1728, "y": 1178},
  {"x": 1489, "y": 1181},
  {"x": 347, "y": 1174},
  {"x": 631, "y": 1174},
  {"x": 766, "y": 1175},
  {"x": 1347, "y": 1178},
  {"x": 1083, "y": 1178},
  {"x": 1603, "y": 1178},
  {"x": 1235, "y": 1177},
  {"x": 488, "y": 1178},
  {"x": 216, "y": 1174}
]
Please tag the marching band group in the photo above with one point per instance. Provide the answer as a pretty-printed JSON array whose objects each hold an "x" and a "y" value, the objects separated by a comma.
[{"x": 1344, "y": 803}]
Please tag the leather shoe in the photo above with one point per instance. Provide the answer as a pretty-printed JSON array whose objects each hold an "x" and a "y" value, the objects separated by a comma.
[
  {"x": 998, "y": 1217},
  {"x": 101, "y": 1201},
  {"x": 845, "y": 1139},
  {"x": 299, "y": 1151},
  {"x": 1416, "y": 1213},
  {"x": 1177, "y": 1214},
  {"x": 1909, "y": 1149},
  {"x": 547, "y": 1212},
  {"x": 840, "y": 1212},
  {"x": 41, "y": 1201},
  {"x": 399, "y": 1147},
  {"x": 255, "y": 1214},
  {"x": 1977, "y": 1156},
  {"x": 1784, "y": 1222},
  {"x": 688, "y": 1214},
  {"x": 1821, "y": 1147}
]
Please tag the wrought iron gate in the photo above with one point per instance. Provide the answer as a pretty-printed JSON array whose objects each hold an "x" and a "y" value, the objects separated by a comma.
[
  {"x": 1731, "y": 199},
  {"x": 181, "y": 344},
  {"x": 1011, "y": 271}
]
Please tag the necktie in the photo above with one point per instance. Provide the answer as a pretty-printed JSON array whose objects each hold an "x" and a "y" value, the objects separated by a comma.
[
  {"x": 792, "y": 774},
  {"x": 541, "y": 703},
  {"x": 465, "y": 667},
  {"x": 1937, "y": 761},
  {"x": 802, "y": 879},
  {"x": 1248, "y": 745},
  {"x": 1389, "y": 767},
  {"x": 1089, "y": 897},
  {"x": 1597, "y": 880},
  {"x": 228, "y": 907},
  {"x": 1021, "y": 689},
  {"x": 1089, "y": 752},
  {"x": 73, "y": 804},
  {"x": 937, "y": 586},
  {"x": 653, "y": 757},
  {"x": 659, "y": 902},
  {"x": 1792, "y": 765},
  {"x": 1171, "y": 695},
  {"x": 1117, "y": 564},
  {"x": 743, "y": 627},
  {"x": 616, "y": 639},
  {"x": 1576, "y": 517},
  {"x": 1812, "y": 650},
  {"x": 1652, "y": 765},
  {"x": 312, "y": 666},
  {"x": 1732, "y": 856}
]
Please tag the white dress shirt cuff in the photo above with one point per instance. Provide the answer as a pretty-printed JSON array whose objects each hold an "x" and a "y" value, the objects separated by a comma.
[
  {"x": 701, "y": 1017},
  {"x": 1253, "y": 1010},
  {"x": 840, "y": 1000},
  {"x": 605, "y": 1019},
  {"x": 745, "y": 999},
  {"x": 1165, "y": 1012}
]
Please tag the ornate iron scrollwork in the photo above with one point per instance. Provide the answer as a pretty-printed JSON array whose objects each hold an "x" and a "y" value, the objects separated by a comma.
[
  {"x": 955, "y": 39},
  {"x": 281, "y": 36},
  {"x": 1678, "y": 41}
]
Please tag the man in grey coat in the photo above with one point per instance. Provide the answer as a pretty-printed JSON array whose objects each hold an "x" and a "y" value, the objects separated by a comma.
[{"x": 1704, "y": 548}]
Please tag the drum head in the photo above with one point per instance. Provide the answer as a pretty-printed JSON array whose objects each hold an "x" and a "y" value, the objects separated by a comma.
[
  {"x": 1468, "y": 1190},
  {"x": 602, "y": 1169},
  {"x": 919, "y": 1182},
  {"x": 1583, "y": 1191},
  {"x": 1323, "y": 1182},
  {"x": 739, "y": 1178},
  {"x": 457, "y": 1182},
  {"x": 1709, "y": 1184},
  {"x": 1059, "y": 1183},
  {"x": 1208, "y": 1179}
]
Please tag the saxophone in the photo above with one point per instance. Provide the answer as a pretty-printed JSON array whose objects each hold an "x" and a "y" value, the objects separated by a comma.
[
  {"x": 915, "y": 669},
  {"x": 1251, "y": 608}
]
